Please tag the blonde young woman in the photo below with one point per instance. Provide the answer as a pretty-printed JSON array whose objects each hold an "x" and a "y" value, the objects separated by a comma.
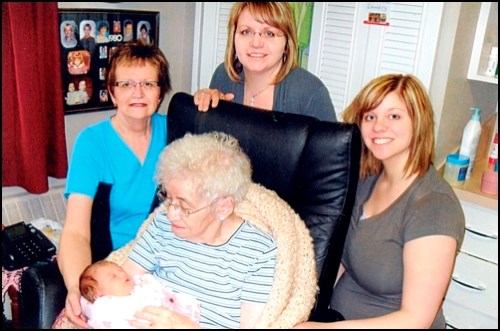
[
  {"x": 260, "y": 66},
  {"x": 407, "y": 223}
]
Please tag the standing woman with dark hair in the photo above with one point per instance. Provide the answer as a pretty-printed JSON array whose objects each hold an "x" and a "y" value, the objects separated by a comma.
[
  {"x": 119, "y": 152},
  {"x": 103, "y": 36},
  {"x": 144, "y": 35},
  {"x": 261, "y": 68}
]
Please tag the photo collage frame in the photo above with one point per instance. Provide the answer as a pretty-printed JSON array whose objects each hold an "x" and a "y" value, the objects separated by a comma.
[{"x": 88, "y": 38}]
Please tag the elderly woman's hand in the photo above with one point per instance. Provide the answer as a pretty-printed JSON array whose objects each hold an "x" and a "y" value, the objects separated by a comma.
[
  {"x": 152, "y": 317},
  {"x": 204, "y": 97}
]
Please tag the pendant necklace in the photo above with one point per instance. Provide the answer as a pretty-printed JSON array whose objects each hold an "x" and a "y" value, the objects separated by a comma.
[{"x": 252, "y": 99}]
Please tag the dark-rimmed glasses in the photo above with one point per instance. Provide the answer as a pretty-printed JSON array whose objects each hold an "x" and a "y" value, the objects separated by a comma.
[{"x": 129, "y": 85}]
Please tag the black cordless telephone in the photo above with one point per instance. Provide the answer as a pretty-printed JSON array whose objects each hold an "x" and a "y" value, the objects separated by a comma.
[{"x": 23, "y": 245}]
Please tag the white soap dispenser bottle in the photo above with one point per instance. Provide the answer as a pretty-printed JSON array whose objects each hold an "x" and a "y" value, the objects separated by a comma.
[{"x": 470, "y": 139}]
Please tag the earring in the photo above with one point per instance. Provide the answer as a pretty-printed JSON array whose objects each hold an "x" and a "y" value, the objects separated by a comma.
[{"x": 284, "y": 58}]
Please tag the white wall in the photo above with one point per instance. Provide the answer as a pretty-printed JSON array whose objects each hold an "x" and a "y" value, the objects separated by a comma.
[{"x": 176, "y": 41}]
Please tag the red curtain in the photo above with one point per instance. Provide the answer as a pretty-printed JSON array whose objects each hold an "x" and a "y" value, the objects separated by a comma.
[{"x": 33, "y": 137}]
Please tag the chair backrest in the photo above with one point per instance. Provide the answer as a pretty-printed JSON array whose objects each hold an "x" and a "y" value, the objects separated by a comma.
[{"x": 311, "y": 164}]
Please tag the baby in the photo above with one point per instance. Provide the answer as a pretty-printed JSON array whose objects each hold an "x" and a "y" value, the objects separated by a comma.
[
  {"x": 76, "y": 63},
  {"x": 72, "y": 95},
  {"x": 111, "y": 296},
  {"x": 82, "y": 96}
]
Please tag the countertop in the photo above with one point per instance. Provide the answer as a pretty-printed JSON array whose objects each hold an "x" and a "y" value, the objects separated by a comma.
[{"x": 471, "y": 190}]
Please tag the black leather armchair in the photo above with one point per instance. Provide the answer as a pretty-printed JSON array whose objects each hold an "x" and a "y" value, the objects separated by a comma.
[{"x": 311, "y": 164}]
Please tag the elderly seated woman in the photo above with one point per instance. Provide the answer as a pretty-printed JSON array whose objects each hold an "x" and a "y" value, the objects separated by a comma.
[
  {"x": 198, "y": 245},
  {"x": 235, "y": 246}
]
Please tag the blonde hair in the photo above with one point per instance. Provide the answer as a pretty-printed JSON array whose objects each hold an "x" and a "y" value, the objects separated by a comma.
[
  {"x": 214, "y": 162},
  {"x": 413, "y": 94},
  {"x": 275, "y": 14}
]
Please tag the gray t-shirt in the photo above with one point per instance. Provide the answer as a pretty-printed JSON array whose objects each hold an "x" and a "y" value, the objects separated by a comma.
[
  {"x": 373, "y": 253},
  {"x": 299, "y": 93}
]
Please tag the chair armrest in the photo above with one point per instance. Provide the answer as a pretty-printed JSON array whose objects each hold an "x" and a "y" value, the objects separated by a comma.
[
  {"x": 326, "y": 315},
  {"x": 42, "y": 295}
]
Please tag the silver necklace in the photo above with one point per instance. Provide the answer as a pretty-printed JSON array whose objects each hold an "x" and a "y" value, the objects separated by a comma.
[{"x": 252, "y": 99}]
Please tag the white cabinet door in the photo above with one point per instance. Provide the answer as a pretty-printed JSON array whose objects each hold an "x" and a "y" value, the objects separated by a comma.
[
  {"x": 459, "y": 316},
  {"x": 481, "y": 233},
  {"x": 472, "y": 298}
]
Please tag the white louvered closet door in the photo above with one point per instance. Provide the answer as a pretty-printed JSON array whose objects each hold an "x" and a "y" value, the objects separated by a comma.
[
  {"x": 346, "y": 54},
  {"x": 210, "y": 41}
]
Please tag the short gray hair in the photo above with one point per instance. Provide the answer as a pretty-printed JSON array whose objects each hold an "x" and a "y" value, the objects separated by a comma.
[{"x": 214, "y": 162}]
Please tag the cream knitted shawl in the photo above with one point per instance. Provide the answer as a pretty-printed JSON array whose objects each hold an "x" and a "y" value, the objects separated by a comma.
[{"x": 295, "y": 281}]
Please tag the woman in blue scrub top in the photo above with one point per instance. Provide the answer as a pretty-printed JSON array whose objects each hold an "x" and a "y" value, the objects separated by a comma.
[{"x": 112, "y": 166}]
